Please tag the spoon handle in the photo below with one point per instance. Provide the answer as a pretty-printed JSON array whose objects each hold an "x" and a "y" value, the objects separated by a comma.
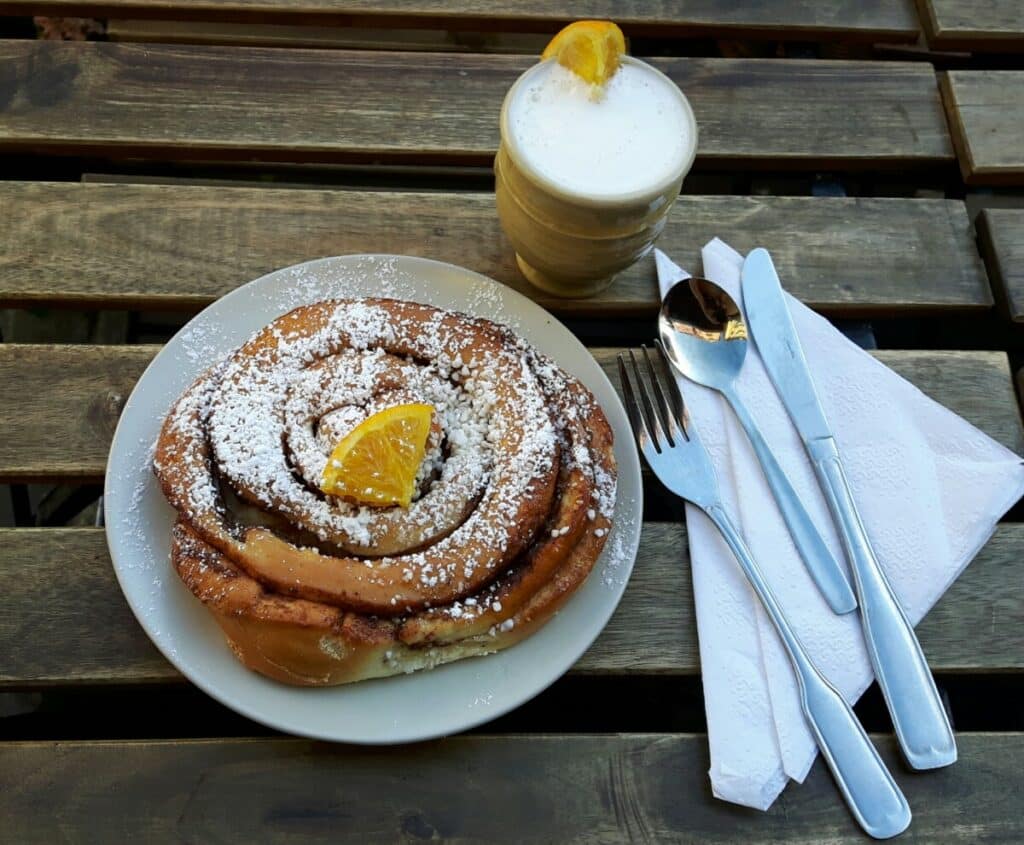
[{"x": 826, "y": 571}]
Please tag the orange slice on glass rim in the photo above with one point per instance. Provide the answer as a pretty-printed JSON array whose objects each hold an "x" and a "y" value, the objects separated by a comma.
[
  {"x": 592, "y": 50},
  {"x": 376, "y": 463}
]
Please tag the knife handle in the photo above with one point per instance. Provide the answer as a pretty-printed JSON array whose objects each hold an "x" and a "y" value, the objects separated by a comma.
[
  {"x": 918, "y": 716},
  {"x": 826, "y": 571}
]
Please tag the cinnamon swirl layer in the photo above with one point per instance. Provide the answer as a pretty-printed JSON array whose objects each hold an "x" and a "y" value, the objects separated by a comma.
[{"x": 514, "y": 497}]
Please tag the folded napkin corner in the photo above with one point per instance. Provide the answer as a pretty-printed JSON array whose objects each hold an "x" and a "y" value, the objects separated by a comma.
[{"x": 741, "y": 788}]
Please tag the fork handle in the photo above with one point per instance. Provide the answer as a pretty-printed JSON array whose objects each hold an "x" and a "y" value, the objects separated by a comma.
[
  {"x": 918, "y": 716},
  {"x": 869, "y": 789}
]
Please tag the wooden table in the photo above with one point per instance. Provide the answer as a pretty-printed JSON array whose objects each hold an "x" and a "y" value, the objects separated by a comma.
[{"x": 151, "y": 172}]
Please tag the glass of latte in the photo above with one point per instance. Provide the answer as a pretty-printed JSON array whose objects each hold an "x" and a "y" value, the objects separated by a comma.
[{"x": 586, "y": 172}]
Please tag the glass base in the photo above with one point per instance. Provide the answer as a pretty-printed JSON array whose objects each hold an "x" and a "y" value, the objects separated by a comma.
[{"x": 565, "y": 288}]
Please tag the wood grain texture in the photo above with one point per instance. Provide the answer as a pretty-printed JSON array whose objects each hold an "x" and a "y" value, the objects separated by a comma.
[
  {"x": 175, "y": 246},
  {"x": 978, "y": 25},
  {"x": 1001, "y": 238},
  {"x": 986, "y": 117},
  {"x": 54, "y": 634},
  {"x": 523, "y": 789},
  {"x": 66, "y": 622},
  {"x": 59, "y": 404},
  {"x": 825, "y": 19},
  {"x": 122, "y": 100}
]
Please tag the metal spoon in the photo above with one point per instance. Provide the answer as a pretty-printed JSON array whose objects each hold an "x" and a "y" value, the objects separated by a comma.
[{"x": 705, "y": 338}]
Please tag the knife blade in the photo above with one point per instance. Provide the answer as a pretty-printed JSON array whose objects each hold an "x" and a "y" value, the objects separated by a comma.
[
  {"x": 919, "y": 718},
  {"x": 780, "y": 347}
]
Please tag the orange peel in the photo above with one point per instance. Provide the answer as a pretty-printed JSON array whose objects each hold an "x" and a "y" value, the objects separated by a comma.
[{"x": 592, "y": 50}]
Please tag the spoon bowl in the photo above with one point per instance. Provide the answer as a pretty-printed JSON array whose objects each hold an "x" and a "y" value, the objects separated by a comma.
[
  {"x": 704, "y": 336},
  {"x": 703, "y": 332}
]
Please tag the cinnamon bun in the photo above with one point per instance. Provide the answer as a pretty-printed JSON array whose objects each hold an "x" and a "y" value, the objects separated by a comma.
[{"x": 514, "y": 497}]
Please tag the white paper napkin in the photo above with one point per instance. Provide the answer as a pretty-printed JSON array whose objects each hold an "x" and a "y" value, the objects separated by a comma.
[{"x": 930, "y": 488}]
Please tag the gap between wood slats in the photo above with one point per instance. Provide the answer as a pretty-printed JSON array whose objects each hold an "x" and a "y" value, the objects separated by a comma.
[
  {"x": 635, "y": 703},
  {"x": 334, "y": 37}
]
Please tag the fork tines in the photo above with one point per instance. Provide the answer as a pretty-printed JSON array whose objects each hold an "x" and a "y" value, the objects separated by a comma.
[{"x": 660, "y": 415}]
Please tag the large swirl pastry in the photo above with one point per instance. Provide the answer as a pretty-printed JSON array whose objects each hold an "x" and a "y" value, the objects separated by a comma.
[{"x": 514, "y": 497}]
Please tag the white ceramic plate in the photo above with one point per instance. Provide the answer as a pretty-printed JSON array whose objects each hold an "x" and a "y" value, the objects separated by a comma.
[{"x": 411, "y": 707}]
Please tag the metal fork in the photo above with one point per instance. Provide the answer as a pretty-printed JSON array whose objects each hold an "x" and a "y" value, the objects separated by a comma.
[{"x": 671, "y": 445}]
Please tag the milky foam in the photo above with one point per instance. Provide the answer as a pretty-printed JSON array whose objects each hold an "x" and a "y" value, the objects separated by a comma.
[{"x": 631, "y": 136}]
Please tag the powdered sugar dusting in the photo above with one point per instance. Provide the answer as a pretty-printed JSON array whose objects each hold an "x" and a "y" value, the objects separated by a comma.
[
  {"x": 617, "y": 556},
  {"x": 140, "y": 490},
  {"x": 294, "y": 372},
  {"x": 306, "y": 284},
  {"x": 329, "y": 364}
]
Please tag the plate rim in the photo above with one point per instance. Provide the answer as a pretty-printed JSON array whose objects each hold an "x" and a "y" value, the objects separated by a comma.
[{"x": 519, "y": 301}]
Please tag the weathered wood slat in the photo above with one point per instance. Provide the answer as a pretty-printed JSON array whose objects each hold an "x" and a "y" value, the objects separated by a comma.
[
  {"x": 333, "y": 105},
  {"x": 59, "y": 404},
  {"x": 65, "y": 621},
  {"x": 892, "y": 20},
  {"x": 182, "y": 246},
  {"x": 986, "y": 117},
  {"x": 977, "y": 25},
  {"x": 522, "y": 789},
  {"x": 1001, "y": 236}
]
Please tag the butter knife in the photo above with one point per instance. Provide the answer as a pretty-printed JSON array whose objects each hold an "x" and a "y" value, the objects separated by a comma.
[{"x": 919, "y": 718}]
